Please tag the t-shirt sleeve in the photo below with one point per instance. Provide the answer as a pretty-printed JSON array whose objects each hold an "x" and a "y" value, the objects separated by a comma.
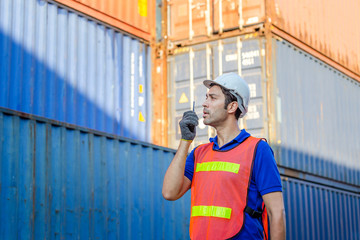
[
  {"x": 189, "y": 165},
  {"x": 266, "y": 173}
]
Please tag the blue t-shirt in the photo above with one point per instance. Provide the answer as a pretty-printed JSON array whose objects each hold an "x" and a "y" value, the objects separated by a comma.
[{"x": 265, "y": 179}]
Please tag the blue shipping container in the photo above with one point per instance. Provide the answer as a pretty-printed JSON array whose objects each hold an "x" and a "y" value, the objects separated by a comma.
[
  {"x": 59, "y": 181},
  {"x": 308, "y": 110},
  {"x": 315, "y": 211},
  {"x": 59, "y": 64},
  {"x": 318, "y": 114}
]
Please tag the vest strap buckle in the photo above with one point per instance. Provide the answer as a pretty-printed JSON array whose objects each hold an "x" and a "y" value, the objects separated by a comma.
[{"x": 252, "y": 212}]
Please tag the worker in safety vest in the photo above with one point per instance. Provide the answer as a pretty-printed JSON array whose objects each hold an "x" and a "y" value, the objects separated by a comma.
[{"x": 235, "y": 184}]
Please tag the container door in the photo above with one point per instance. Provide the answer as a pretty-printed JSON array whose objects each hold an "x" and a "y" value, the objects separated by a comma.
[
  {"x": 188, "y": 68},
  {"x": 189, "y": 19},
  {"x": 235, "y": 14},
  {"x": 245, "y": 58}
]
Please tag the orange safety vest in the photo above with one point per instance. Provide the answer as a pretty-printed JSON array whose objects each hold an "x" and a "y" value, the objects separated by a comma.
[{"x": 219, "y": 190}]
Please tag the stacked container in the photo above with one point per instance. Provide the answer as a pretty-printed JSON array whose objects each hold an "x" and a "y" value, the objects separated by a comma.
[
  {"x": 301, "y": 89},
  {"x": 61, "y": 64},
  {"x": 70, "y": 182},
  {"x": 204, "y": 61},
  {"x": 322, "y": 30},
  {"x": 306, "y": 111},
  {"x": 325, "y": 27},
  {"x": 76, "y": 75},
  {"x": 67, "y": 182},
  {"x": 301, "y": 62}
]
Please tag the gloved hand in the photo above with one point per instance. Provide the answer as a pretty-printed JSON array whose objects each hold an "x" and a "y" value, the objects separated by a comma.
[{"x": 188, "y": 125}]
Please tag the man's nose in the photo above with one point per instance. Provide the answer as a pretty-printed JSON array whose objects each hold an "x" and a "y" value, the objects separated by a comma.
[{"x": 205, "y": 104}]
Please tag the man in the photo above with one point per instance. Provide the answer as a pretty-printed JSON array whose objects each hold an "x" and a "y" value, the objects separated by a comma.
[{"x": 230, "y": 177}]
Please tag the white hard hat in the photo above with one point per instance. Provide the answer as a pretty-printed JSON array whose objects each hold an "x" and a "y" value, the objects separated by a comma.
[{"x": 237, "y": 87}]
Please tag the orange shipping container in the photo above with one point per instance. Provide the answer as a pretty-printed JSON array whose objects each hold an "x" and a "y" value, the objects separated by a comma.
[
  {"x": 135, "y": 17},
  {"x": 328, "y": 26},
  {"x": 184, "y": 24},
  {"x": 196, "y": 19},
  {"x": 324, "y": 28}
]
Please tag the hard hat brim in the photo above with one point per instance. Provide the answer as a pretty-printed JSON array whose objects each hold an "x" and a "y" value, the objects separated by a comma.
[{"x": 207, "y": 83}]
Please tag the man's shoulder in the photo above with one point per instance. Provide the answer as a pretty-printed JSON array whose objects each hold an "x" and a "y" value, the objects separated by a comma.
[
  {"x": 263, "y": 144},
  {"x": 264, "y": 152},
  {"x": 203, "y": 146}
]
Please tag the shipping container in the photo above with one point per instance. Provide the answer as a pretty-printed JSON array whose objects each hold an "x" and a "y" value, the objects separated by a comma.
[
  {"x": 316, "y": 211},
  {"x": 325, "y": 27},
  {"x": 201, "y": 19},
  {"x": 317, "y": 111},
  {"x": 135, "y": 17},
  {"x": 306, "y": 109},
  {"x": 61, "y": 181},
  {"x": 191, "y": 65},
  {"x": 64, "y": 66}
]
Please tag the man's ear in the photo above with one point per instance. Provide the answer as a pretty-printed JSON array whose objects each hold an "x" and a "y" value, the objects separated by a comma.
[{"x": 232, "y": 107}]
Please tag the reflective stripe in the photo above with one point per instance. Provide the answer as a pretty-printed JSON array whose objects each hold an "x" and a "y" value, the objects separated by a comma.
[
  {"x": 211, "y": 211},
  {"x": 217, "y": 166}
]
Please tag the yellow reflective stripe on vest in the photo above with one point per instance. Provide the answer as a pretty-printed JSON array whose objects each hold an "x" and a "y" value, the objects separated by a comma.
[
  {"x": 211, "y": 211},
  {"x": 218, "y": 166}
]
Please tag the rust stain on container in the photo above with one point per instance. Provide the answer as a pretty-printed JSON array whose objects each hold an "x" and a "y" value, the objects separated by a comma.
[
  {"x": 159, "y": 98},
  {"x": 159, "y": 130},
  {"x": 135, "y": 17},
  {"x": 328, "y": 26}
]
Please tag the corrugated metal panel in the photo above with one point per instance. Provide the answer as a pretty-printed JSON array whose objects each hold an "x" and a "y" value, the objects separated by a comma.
[
  {"x": 137, "y": 18},
  {"x": 60, "y": 65},
  {"x": 200, "y": 19},
  {"x": 317, "y": 113},
  {"x": 327, "y": 26},
  {"x": 206, "y": 61},
  {"x": 314, "y": 211},
  {"x": 234, "y": 14},
  {"x": 61, "y": 181},
  {"x": 66, "y": 182},
  {"x": 188, "y": 19}
]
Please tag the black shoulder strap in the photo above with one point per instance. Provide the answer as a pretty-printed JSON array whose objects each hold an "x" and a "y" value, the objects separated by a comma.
[{"x": 252, "y": 212}]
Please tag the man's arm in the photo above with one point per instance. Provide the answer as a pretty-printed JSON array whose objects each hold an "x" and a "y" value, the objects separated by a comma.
[
  {"x": 175, "y": 183},
  {"x": 275, "y": 206}
]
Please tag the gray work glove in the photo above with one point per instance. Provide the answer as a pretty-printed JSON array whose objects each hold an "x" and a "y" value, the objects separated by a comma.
[{"x": 188, "y": 125}]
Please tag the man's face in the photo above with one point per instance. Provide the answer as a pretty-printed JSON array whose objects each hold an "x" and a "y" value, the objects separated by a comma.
[{"x": 214, "y": 112}]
